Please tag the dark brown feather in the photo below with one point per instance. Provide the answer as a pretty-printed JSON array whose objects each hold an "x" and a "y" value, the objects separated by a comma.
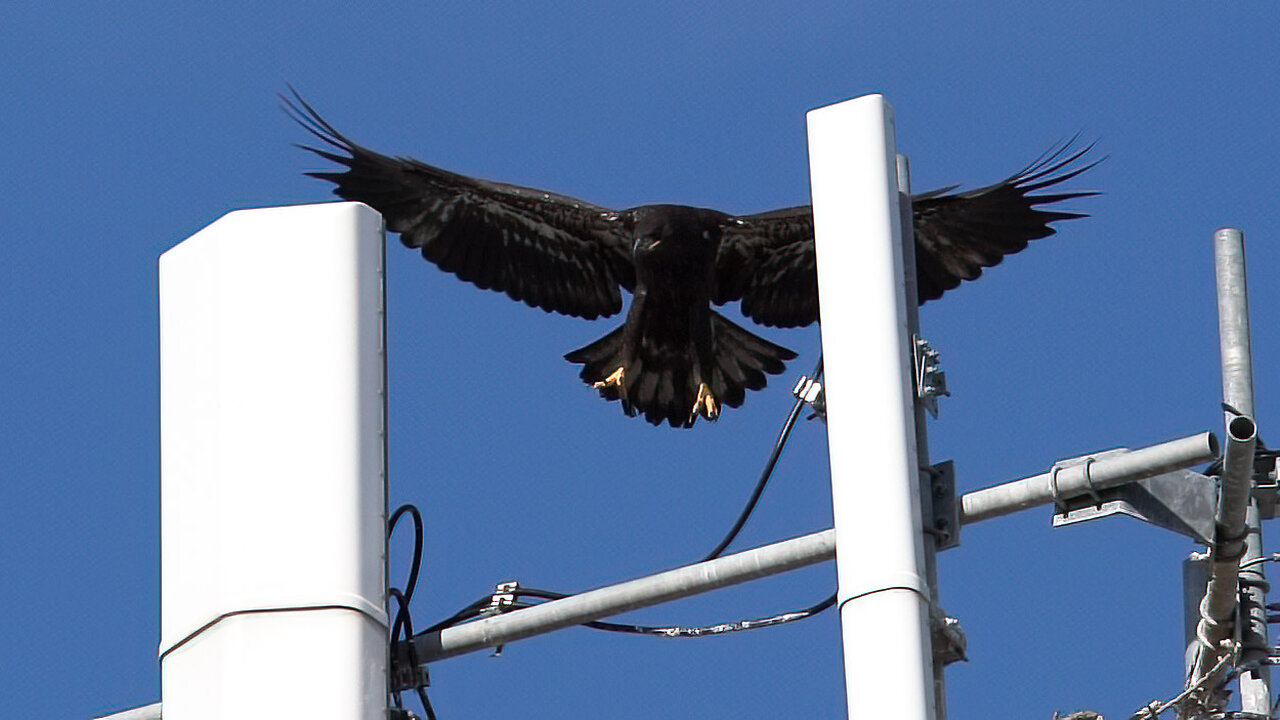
[
  {"x": 567, "y": 256},
  {"x": 546, "y": 250},
  {"x": 767, "y": 260}
]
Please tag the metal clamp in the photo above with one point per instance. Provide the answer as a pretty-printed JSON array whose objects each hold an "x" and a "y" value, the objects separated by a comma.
[
  {"x": 502, "y": 600},
  {"x": 1088, "y": 480},
  {"x": 811, "y": 392},
  {"x": 1058, "y": 502},
  {"x": 406, "y": 673},
  {"x": 931, "y": 381},
  {"x": 950, "y": 643}
]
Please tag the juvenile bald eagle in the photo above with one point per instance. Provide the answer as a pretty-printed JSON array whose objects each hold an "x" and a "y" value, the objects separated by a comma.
[{"x": 673, "y": 359}]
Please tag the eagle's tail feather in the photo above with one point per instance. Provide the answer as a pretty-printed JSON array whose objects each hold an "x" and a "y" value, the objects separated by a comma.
[
  {"x": 665, "y": 391},
  {"x": 742, "y": 361},
  {"x": 600, "y": 360}
]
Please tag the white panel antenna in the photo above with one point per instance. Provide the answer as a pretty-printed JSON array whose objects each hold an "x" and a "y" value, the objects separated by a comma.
[{"x": 273, "y": 506}]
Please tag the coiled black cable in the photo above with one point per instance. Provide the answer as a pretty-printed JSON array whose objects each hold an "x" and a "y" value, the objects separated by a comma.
[
  {"x": 402, "y": 625},
  {"x": 412, "y": 511}
]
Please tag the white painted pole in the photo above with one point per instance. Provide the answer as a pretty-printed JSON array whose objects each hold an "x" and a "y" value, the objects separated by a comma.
[
  {"x": 883, "y": 594},
  {"x": 272, "y": 468}
]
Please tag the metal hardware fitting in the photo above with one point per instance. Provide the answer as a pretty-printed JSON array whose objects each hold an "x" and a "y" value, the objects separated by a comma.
[
  {"x": 810, "y": 391},
  {"x": 931, "y": 381},
  {"x": 502, "y": 600},
  {"x": 945, "y": 526},
  {"x": 949, "y": 641}
]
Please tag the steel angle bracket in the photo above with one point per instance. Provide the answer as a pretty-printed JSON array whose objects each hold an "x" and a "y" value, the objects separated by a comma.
[{"x": 1182, "y": 501}]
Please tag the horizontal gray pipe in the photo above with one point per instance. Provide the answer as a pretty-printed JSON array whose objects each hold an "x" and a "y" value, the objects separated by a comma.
[
  {"x": 631, "y": 595},
  {"x": 790, "y": 554},
  {"x": 779, "y": 557},
  {"x": 1099, "y": 474}
]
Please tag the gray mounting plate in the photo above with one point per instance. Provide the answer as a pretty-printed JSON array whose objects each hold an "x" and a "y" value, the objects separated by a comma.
[
  {"x": 1182, "y": 501},
  {"x": 946, "y": 510}
]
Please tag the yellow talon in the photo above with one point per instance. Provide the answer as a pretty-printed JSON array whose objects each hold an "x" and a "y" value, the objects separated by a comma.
[
  {"x": 705, "y": 405},
  {"x": 614, "y": 380}
]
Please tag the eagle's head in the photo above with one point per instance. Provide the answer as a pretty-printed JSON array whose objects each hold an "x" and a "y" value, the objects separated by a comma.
[{"x": 687, "y": 227}]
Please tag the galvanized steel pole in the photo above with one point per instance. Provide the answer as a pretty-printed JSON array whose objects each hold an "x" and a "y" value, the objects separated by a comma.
[
  {"x": 1233, "y": 320},
  {"x": 922, "y": 437},
  {"x": 1239, "y": 534},
  {"x": 1237, "y": 391}
]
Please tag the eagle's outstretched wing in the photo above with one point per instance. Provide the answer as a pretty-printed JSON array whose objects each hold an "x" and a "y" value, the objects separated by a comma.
[
  {"x": 546, "y": 250},
  {"x": 957, "y": 235},
  {"x": 767, "y": 260}
]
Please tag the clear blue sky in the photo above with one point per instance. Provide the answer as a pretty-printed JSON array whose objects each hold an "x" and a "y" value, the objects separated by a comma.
[{"x": 128, "y": 127}]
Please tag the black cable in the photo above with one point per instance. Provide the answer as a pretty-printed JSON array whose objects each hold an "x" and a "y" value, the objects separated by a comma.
[
  {"x": 716, "y": 629},
  {"x": 760, "y": 484},
  {"x": 765, "y": 474},
  {"x": 485, "y": 605},
  {"x": 676, "y": 631},
  {"x": 417, "y": 545},
  {"x": 481, "y": 607},
  {"x": 401, "y": 621},
  {"x": 402, "y": 625},
  {"x": 426, "y": 702},
  {"x": 404, "y": 622},
  {"x": 466, "y": 613}
]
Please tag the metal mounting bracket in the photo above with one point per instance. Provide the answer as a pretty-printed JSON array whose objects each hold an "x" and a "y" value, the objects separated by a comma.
[
  {"x": 949, "y": 640},
  {"x": 944, "y": 526},
  {"x": 406, "y": 675},
  {"x": 1182, "y": 501},
  {"x": 931, "y": 381},
  {"x": 1266, "y": 489}
]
